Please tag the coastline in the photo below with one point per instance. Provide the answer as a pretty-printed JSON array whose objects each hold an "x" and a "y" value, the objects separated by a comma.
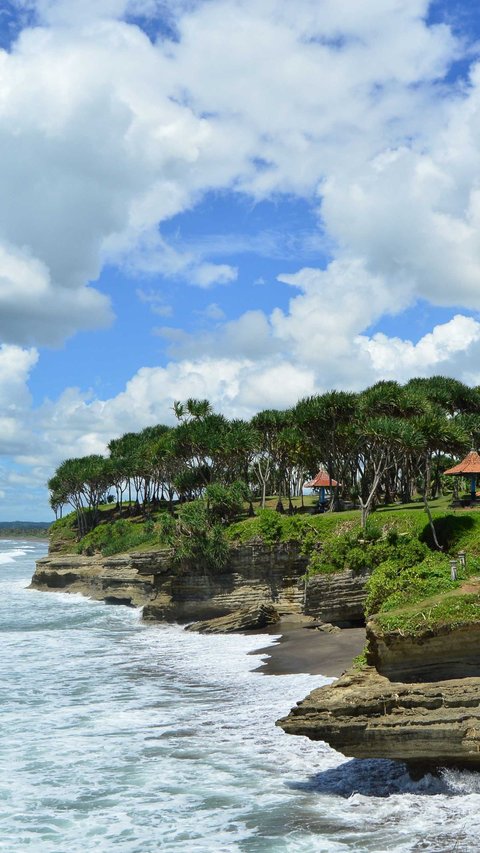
[{"x": 303, "y": 649}]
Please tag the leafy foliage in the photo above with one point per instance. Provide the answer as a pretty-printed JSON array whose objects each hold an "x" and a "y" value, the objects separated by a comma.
[
  {"x": 404, "y": 579},
  {"x": 197, "y": 541},
  {"x": 118, "y": 537}
]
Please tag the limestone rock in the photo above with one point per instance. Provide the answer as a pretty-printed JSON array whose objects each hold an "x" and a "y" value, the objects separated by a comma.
[
  {"x": 328, "y": 628},
  {"x": 445, "y": 653},
  {"x": 113, "y": 579},
  {"x": 241, "y": 620},
  {"x": 255, "y": 573},
  {"x": 338, "y": 598},
  {"x": 364, "y": 715}
]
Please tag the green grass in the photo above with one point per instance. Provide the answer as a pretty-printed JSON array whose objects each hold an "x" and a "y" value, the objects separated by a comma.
[{"x": 444, "y": 611}]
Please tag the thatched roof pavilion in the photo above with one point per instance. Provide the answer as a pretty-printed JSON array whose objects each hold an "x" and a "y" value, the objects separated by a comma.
[{"x": 468, "y": 467}]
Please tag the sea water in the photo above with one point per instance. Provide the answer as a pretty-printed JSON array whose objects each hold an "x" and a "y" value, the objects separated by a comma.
[{"x": 120, "y": 736}]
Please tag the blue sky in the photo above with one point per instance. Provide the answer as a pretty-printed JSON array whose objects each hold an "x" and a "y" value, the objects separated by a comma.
[{"x": 248, "y": 200}]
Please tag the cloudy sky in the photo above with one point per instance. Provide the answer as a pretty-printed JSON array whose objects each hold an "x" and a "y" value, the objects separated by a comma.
[{"x": 245, "y": 200}]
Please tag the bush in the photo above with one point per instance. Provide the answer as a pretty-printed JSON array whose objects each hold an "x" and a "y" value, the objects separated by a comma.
[
  {"x": 225, "y": 502},
  {"x": 394, "y": 584},
  {"x": 196, "y": 541},
  {"x": 119, "y": 537},
  {"x": 270, "y": 526}
]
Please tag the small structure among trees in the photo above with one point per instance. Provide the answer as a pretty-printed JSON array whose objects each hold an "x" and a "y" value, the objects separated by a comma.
[
  {"x": 470, "y": 468},
  {"x": 322, "y": 481},
  {"x": 387, "y": 444}
]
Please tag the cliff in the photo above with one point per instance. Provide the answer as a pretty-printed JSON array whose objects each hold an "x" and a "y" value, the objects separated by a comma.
[
  {"x": 254, "y": 573},
  {"x": 419, "y": 699},
  {"x": 338, "y": 598},
  {"x": 123, "y": 579},
  {"x": 434, "y": 654},
  {"x": 365, "y": 715}
]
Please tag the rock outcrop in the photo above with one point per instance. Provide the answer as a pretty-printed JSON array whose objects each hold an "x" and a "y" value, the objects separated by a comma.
[
  {"x": 338, "y": 598},
  {"x": 444, "y": 653},
  {"x": 255, "y": 573},
  {"x": 365, "y": 715},
  {"x": 246, "y": 619},
  {"x": 121, "y": 579}
]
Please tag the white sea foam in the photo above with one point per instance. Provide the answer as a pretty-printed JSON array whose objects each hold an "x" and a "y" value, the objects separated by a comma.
[
  {"x": 11, "y": 554},
  {"x": 120, "y": 736}
]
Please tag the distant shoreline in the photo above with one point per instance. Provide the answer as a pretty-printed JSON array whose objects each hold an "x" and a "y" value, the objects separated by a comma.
[{"x": 15, "y": 535}]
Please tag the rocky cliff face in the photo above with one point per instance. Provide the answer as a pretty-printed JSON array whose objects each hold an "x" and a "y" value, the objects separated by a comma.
[
  {"x": 122, "y": 579},
  {"x": 338, "y": 598},
  {"x": 430, "y": 656},
  {"x": 364, "y": 715},
  {"x": 254, "y": 573}
]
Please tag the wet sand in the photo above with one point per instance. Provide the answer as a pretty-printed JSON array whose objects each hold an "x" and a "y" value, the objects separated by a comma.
[{"x": 303, "y": 649}]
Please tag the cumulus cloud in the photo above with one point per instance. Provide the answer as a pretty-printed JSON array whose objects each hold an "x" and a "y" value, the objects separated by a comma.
[
  {"x": 104, "y": 134},
  {"x": 15, "y": 401},
  {"x": 453, "y": 347},
  {"x": 78, "y": 423}
]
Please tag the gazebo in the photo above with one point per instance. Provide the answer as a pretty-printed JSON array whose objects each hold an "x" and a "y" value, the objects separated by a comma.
[
  {"x": 321, "y": 481},
  {"x": 469, "y": 467}
]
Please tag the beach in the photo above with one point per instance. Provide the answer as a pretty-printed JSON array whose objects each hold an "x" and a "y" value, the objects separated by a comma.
[{"x": 304, "y": 648}]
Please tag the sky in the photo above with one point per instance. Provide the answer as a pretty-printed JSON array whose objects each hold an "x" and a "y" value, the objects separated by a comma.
[{"x": 246, "y": 200}]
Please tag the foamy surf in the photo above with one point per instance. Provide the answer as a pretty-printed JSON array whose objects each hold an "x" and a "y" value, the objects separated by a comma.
[{"x": 120, "y": 736}]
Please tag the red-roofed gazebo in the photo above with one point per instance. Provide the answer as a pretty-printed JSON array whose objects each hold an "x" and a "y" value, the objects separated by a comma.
[
  {"x": 468, "y": 467},
  {"x": 321, "y": 481}
]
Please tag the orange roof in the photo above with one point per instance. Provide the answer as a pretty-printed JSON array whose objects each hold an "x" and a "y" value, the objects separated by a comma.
[
  {"x": 469, "y": 465},
  {"x": 321, "y": 480}
]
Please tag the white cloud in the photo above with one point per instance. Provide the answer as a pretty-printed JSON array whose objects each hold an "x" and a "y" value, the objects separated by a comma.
[
  {"x": 207, "y": 274},
  {"x": 15, "y": 401},
  {"x": 103, "y": 135},
  {"x": 213, "y": 312},
  {"x": 453, "y": 346}
]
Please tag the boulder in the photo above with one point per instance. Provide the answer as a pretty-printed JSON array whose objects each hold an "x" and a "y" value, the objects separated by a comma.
[{"x": 246, "y": 619}]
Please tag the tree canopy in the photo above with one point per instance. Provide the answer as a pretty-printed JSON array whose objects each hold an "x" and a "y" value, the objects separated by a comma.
[{"x": 385, "y": 444}]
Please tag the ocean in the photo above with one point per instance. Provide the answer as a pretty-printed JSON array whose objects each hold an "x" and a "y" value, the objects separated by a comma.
[{"x": 126, "y": 737}]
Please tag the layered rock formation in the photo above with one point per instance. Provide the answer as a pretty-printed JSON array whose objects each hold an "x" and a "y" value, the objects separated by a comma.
[
  {"x": 255, "y": 574},
  {"x": 246, "y": 619},
  {"x": 365, "y": 715},
  {"x": 338, "y": 598},
  {"x": 444, "y": 653},
  {"x": 121, "y": 579}
]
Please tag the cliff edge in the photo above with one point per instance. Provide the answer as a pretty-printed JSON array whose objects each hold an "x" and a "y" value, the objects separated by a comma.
[{"x": 418, "y": 700}]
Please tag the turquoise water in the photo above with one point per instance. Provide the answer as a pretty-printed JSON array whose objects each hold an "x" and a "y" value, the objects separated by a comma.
[{"x": 117, "y": 736}]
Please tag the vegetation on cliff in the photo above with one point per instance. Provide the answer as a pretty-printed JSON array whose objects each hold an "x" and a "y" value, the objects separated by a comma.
[{"x": 202, "y": 485}]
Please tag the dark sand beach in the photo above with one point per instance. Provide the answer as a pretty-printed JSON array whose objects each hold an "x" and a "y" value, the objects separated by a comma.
[{"x": 302, "y": 648}]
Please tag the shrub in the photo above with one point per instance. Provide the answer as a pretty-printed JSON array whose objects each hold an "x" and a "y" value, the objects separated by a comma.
[
  {"x": 196, "y": 541},
  {"x": 118, "y": 537},
  {"x": 270, "y": 526},
  {"x": 394, "y": 584},
  {"x": 225, "y": 502}
]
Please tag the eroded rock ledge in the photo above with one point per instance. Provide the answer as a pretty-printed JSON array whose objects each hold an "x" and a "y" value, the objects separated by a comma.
[
  {"x": 255, "y": 574},
  {"x": 364, "y": 715},
  {"x": 432, "y": 655},
  {"x": 246, "y": 619}
]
